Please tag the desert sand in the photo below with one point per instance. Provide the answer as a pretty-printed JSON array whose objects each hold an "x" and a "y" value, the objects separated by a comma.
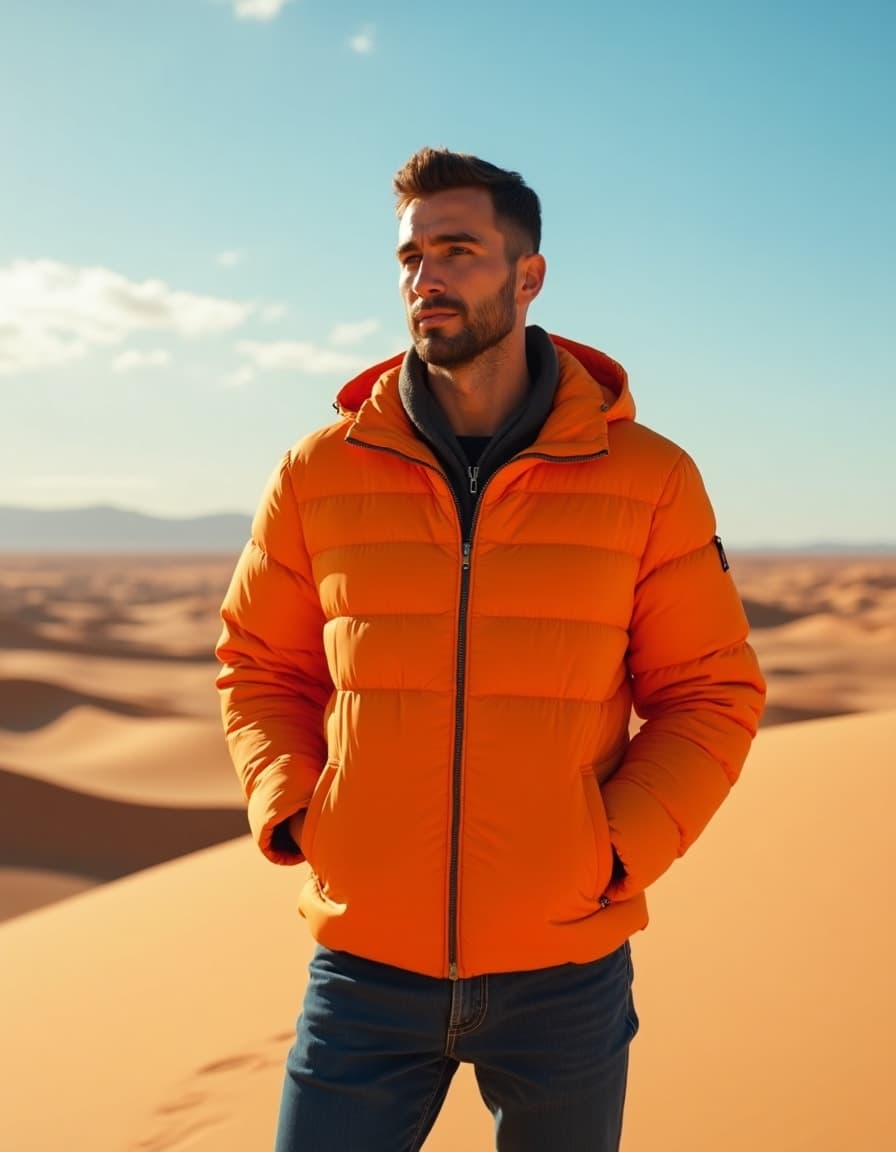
[{"x": 153, "y": 962}]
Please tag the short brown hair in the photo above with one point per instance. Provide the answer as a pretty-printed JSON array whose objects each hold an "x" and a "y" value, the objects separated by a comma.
[{"x": 437, "y": 170}]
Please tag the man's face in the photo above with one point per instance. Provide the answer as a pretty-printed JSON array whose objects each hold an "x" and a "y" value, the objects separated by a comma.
[{"x": 459, "y": 291}]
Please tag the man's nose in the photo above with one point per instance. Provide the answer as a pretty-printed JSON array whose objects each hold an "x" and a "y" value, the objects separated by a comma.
[{"x": 428, "y": 281}]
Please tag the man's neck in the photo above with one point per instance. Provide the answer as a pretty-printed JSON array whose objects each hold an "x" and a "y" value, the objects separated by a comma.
[{"x": 478, "y": 398}]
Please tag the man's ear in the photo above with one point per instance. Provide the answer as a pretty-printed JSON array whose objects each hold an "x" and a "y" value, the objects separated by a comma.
[{"x": 532, "y": 271}]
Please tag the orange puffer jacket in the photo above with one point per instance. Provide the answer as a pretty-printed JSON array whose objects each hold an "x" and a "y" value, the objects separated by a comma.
[{"x": 456, "y": 718}]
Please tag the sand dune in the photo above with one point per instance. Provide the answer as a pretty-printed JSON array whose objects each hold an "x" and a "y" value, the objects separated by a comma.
[
  {"x": 769, "y": 615},
  {"x": 178, "y": 761},
  {"x": 763, "y": 984},
  {"x": 183, "y": 688},
  {"x": 46, "y": 826},
  {"x": 109, "y": 636},
  {"x": 29, "y": 704},
  {"x": 106, "y": 691},
  {"x": 763, "y": 981},
  {"x": 148, "y": 607},
  {"x": 825, "y": 630},
  {"x": 22, "y": 889},
  {"x": 110, "y": 738}
]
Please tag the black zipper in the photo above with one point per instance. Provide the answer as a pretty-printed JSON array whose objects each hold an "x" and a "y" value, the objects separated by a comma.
[
  {"x": 461, "y": 661},
  {"x": 460, "y": 681}
]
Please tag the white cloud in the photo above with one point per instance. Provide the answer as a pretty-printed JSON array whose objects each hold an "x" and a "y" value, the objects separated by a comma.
[
  {"x": 240, "y": 378},
  {"x": 52, "y": 314},
  {"x": 230, "y": 258},
  {"x": 363, "y": 41},
  {"x": 132, "y": 359},
  {"x": 258, "y": 9},
  {"x": 297, "y": 356},
  {"x": 271, "y": 313},
  {"x": 344, "y": 335}
]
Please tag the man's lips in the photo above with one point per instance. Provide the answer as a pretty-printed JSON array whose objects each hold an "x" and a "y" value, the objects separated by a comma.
[{"x": 432, "y": 319}]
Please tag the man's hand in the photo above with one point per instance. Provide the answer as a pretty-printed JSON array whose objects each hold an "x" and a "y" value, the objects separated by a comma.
[{"x": 295, "y": 824}]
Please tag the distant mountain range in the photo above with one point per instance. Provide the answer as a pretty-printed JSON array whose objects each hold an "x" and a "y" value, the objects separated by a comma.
[
  {"x": 104, "y": 528},
  {"x": 108, "y": 529}
]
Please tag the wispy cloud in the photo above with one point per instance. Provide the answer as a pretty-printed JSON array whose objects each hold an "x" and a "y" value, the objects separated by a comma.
[
  {"x": 271, "y": 313},
  {"x": 345, "y": 335},
  {"x": 297, "y": 356},
  {"x": 301, "y": 357},
  {"x": 230, "y": 258},
  {"x": 53, "y": 313},
  {"x": 240, "y": 378},
  {"x": 258, "y": 9},
  {"x": 364, "y": 41},
  {"x": 132, "y": 359}
]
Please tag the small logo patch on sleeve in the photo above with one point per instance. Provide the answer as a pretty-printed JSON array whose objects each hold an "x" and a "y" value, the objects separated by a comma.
[{"x": 723, "y": 559}]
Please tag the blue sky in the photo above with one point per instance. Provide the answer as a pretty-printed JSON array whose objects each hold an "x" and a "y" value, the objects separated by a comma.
[{"x": 199, "y": 231}]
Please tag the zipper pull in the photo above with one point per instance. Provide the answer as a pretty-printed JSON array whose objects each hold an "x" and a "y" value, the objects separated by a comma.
[
  {"x": 473, "y": 473},
  {"x": 452, "y": 971},
  {"x": 466, "y": 560}
]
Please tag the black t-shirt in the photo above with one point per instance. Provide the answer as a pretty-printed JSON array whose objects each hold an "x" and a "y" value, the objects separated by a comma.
[{"x": 473, "y": 447}]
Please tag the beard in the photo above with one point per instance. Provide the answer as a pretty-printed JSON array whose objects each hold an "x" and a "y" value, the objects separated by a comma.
[{"x": 483, "y": 328}]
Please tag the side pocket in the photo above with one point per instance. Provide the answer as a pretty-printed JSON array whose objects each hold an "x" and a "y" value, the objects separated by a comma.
[
  {"x": 316, "y": 806},
  {"x": 601, "y": 831}
]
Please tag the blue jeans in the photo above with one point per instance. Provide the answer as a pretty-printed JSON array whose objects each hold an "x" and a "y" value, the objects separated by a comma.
[{"x": 377, "y": 1046}]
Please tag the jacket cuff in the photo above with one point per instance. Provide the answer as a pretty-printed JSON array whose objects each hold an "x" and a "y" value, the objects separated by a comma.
[
  {"x": 269, "y": 828},
  {"x": 282, "y": 842},
  {"x": 645, "y": 839}
]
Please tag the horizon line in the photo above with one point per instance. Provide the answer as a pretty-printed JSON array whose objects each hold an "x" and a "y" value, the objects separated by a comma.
[{"x": 831, "y": 544}]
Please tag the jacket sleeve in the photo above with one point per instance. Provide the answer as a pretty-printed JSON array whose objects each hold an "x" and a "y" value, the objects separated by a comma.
[
  {"x": 274, "y": 683},
  {"x": 696, "y": 683}
]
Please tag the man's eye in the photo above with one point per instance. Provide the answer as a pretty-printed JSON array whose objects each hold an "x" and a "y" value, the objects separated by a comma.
[
  {"x": 458, "y": 250},
  {"x": 410, "y": 260}
]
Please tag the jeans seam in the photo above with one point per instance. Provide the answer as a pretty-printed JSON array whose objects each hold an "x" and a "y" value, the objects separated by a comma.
[
  {"x": 415, "y": 1143},
  {"x": 480, "y": 1017}
]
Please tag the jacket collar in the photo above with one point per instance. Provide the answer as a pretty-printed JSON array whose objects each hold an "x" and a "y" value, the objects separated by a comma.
[{"x": 592, "y": 391}]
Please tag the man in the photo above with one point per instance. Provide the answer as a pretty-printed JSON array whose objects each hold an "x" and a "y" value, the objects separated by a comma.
[{"x": 452, "y": 598}]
